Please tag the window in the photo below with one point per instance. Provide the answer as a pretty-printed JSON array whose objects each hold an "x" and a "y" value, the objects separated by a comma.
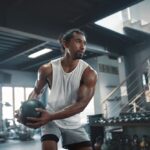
[
  {"x": 108, "y": 69},
  {"x": 18, "y": 97},
  {"x": 7, "y": 101},
  {"x": 12, "y": 97},
  {"x": 28, "y": 90}
]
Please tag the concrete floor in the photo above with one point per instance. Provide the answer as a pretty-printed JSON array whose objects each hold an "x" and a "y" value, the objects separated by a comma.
[{"x": 34, "y": 144}]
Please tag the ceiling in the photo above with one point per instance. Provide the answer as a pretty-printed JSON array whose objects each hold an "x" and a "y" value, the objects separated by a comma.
[{"x": 30, "y": 25}]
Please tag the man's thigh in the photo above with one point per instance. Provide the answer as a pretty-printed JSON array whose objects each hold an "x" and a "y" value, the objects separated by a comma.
[
  {"x": 50, "y": 129},
  {"x": 76, "y": 138}
]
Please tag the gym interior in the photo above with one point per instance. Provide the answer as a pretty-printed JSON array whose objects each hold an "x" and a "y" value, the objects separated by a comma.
[{"x": 118, "y": 48}]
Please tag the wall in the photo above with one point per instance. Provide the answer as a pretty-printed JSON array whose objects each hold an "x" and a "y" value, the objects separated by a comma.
[
  {"x": 135, "y": 56},
  {"x": 21, "y": 78},
  {"x": 105, "y": 84},
  {"x": 141, "y": 11},
  {"x": 122, "y": 78},
  {"x": 109, "y": 81},
  {"x": 134, "y": 59}
]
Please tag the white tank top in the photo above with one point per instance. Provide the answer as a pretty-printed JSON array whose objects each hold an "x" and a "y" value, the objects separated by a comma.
[{"x": 64, "y": 91}]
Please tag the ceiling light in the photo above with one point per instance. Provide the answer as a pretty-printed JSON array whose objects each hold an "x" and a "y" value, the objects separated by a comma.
[{"x": 39, "y": 53}]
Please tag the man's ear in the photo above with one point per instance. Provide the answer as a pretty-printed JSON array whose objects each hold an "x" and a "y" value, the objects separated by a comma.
[{"x": 65, "y": 44}]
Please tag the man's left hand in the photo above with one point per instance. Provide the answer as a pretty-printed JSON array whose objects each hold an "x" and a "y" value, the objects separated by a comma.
[{"x": 38, "y": 122}]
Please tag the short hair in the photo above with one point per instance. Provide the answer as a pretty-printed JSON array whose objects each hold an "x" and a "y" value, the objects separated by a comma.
[{"x": 68, "y": 35}]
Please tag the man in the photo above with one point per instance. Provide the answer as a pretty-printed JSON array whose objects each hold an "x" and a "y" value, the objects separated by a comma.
[{"x": 72, "y": 82}]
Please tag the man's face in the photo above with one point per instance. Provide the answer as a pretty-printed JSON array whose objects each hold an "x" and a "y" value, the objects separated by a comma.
[{"x": 77, "y": 46}]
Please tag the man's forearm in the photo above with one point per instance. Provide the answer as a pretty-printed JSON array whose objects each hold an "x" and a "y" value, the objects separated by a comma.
[
  {"x": 67, "y": 112},
  {"x": 33, "y": 95}
]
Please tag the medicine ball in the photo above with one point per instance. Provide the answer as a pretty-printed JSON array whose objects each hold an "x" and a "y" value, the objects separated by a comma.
[{"x": 27, "y": 109}]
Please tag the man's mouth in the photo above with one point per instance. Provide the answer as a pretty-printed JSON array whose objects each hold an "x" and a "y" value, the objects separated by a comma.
[{"x": 79, "y": 54}]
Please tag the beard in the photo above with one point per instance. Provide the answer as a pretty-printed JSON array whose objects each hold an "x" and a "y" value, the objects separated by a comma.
[{"x": 78, "y": 55}]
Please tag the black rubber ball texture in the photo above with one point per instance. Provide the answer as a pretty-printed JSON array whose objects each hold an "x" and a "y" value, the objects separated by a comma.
[{"x": 27, "y": 109}]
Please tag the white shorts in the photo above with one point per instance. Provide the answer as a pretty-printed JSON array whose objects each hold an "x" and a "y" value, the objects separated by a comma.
[{"x": 70, "y": 137}]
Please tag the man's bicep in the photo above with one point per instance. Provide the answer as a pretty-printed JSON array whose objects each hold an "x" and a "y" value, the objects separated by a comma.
[
  {"x": 85, "y": 93},
  {"x": 87, "y": 88}
]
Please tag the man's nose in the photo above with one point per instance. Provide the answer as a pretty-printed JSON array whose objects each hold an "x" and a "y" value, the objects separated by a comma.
[{"x": 83, "y": 46}]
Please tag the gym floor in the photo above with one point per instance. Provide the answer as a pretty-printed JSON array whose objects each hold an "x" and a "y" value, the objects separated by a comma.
[{"x": 34, "y": 144}]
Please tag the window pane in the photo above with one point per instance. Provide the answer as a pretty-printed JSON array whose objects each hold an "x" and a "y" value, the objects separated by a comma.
[
  {"x": 28, "y": 90},
  {"x": 7, "y": 100},
  {"x": 19, "y": 96}
]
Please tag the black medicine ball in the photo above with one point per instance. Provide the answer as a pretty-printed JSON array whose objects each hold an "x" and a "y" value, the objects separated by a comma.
[{"x": 27, "y": 109}]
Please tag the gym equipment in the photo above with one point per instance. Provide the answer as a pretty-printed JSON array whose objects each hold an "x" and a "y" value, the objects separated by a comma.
[
  {"x": 27, "y": 109},
  {"x": 24, "y": 133},
  {"x": 3, "y": 127},
  {"x": 3, "y": 132}
]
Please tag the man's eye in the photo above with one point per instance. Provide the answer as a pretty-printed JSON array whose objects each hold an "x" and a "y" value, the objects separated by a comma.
[
  {"x": 78, "y": 41},
  {"x": 85, "y": 43},
  {"x": 81, "y": 42}
]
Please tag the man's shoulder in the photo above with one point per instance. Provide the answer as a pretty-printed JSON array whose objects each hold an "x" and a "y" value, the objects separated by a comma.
[
  {"x": 57, "y": 60},
  {"x": 88, "y": 67},
  {"x": 90, "y": 70},
  {"x": 45, "y": 68},
  {"x": 84, "y": 62},
  {"x": 89, "y": 76}
]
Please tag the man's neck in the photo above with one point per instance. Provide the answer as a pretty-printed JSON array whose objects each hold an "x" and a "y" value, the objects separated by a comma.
[{"x": 68, "y": 63}]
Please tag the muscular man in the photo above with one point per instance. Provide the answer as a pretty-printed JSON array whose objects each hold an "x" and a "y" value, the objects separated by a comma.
[{"x": 72, "y": 83}]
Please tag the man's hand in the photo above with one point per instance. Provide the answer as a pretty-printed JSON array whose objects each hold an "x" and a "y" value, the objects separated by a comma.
[{"x": 38, "y": 122}]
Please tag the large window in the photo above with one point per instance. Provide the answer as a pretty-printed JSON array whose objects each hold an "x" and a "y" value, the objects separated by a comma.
[
  {"x": 7, "y": 101},
  {"x": 27, "y": 92},
  {"x": 19, "y": 97},
  {"x": 12, "y": 97}
]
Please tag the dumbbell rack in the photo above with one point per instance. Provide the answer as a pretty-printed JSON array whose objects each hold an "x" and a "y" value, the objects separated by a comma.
[{"x": 128, "y": 124}]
